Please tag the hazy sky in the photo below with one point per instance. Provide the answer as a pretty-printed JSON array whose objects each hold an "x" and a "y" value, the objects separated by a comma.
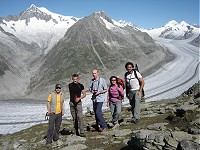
[{"x": 142, "y": 13}]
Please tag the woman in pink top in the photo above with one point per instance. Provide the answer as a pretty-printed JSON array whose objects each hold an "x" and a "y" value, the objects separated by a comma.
[{"x": 114, "y": 100}]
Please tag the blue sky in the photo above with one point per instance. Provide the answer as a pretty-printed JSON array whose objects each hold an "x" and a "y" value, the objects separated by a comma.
[{"x": 142, "y": 13}]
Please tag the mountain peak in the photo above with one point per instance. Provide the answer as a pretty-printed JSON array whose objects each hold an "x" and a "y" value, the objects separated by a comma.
[
  {"x": 171, "y": 23},
  {"x": 33, "y": 6},
  {"x": 103, "y": 15},
  {"x": 34, "y": 11}
]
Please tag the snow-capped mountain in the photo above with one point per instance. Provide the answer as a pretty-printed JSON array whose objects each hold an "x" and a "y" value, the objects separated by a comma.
[
  {"x": 24, "y": 40},
  {"x": 37, "y": 26},
  {"x": 33, "y": 44},
  {"x": 174, "y": 30}
]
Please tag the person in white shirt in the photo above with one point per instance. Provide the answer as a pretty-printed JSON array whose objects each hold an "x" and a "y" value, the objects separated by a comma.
[{"x": 134, "y": 85}]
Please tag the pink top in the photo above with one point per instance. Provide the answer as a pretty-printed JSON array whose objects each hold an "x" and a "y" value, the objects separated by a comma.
[{"x": 113, "y": 93}]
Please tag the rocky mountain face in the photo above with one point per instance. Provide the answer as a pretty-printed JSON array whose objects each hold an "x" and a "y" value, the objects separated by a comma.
[
  {"x": 196, "y": 41},
  {"x": 24, "y": 41},
  {"x": 96, "y": 41}
]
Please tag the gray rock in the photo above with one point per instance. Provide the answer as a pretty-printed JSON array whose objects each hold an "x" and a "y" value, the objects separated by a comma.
[
  {"x": 180, "y": 135},
  {"x": 171, "y": 142},
  {"x": 159, "y": 138},
  {"x": 162, "y": 111},
  {"x": 196, "y": 122},
  {"x": 157, "y": 126},
  {"x": 151, "y": 136},
  {"x": 73, "y": 138},
  {"x": 188, "y": 145},
  {"x": 193, "y": 130},
  {"x": 187, "y": 107}
]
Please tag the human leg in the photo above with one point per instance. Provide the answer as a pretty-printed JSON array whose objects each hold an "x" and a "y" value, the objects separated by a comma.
[
  {"x": 137, "y": 106},
  {"x": 112, "y": 109},
  {"x": 58, "y": 121},
  {"x": 99, "y": 115},
  {"x": 74, "y": 116},
  {"x": 51, "y": 128},
  {"x": 80, "y": 117},
  {"x": 118, "y": 108},
  {"x": 132, "y": 101}
]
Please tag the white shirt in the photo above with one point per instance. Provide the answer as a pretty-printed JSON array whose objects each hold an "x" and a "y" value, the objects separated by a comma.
[{"x": 132, "y": 81}]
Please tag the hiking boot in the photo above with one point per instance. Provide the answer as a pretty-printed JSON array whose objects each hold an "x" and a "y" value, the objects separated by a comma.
[
  {"x": 91, "y": 113},
  {"x": 82, "y": 135},
  {"x": 135, "y": 120},
  {"x": 72, "y": 132},
  {"x": 103, "y": 130},
  {"x": 116, "y": 126},
  {"x": 121, "y": 120}
]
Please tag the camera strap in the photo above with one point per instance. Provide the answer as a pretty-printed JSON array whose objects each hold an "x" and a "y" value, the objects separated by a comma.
[{"x": 97, "y": 84}]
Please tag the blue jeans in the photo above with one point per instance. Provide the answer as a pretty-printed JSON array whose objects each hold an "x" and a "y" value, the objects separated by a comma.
[
  {"x": 97, "y": 106},
  {"x": 115, "y": 108}
]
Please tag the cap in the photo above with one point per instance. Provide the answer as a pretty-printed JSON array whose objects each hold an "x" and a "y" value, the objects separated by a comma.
[{"x": 58, "y": 86}]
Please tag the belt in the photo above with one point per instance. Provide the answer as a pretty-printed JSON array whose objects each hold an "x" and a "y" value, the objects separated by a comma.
[{"x": 54, "y": 113}]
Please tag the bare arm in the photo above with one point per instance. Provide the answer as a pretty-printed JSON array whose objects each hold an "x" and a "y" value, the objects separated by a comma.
[
  {"x": 63, "y": 108},
  {"x": 83, "y": 94},
  {"x": 48, "y": 107},
  {"x": 48, "y": 104},
  {"x": 141, "y": 86},
  {"x": 121, "y": 90}
]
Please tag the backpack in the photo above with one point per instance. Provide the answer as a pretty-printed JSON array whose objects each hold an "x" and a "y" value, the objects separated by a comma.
[
  {"x": 135, "y": 70},
  {"x": 121, "y": 82}
]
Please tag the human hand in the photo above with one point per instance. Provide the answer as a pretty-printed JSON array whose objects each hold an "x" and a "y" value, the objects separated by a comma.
[
  {"x": 97, "y": 93},
  {"x": 77, "y": 99},
  {"x": 48, "y": 113},
  {"x": 140, "y": 93}
]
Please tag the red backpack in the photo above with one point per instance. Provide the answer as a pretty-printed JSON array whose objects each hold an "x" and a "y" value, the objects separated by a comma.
[{"x": 121, "y": 82}]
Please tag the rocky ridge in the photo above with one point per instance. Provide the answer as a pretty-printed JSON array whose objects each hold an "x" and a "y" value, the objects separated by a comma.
[{"x": 172, "y": 124}]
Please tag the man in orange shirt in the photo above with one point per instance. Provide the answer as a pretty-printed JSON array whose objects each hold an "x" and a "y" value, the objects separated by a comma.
[{"x": 55, "y": 108}]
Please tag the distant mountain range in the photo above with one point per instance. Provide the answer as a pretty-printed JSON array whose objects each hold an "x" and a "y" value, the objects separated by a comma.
[
  {"x": 39, "y": 48},
  {"x": 175, "y": 30}
]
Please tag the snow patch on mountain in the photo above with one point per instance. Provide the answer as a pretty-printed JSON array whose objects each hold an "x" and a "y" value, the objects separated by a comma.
[
  {"x": 35, "y": 30},
  {"x": 174, "y": 30}
]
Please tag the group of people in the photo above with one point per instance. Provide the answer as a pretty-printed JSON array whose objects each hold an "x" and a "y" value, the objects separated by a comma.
[{"x": 113, "y": 94}]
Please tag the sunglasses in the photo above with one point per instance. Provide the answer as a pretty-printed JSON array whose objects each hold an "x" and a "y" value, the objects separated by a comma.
[{"x": 58, "y": 88}]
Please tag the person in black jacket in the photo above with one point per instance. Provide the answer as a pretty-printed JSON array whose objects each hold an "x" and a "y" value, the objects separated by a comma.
[{"x": 77, "y": 92}]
